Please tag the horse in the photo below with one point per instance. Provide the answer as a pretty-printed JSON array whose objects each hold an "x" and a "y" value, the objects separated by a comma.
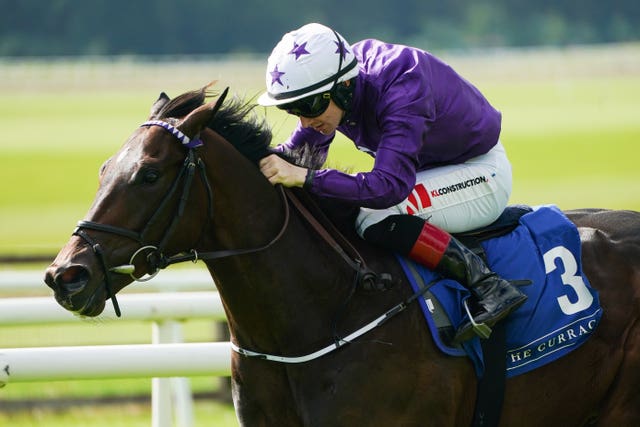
[{"x": 185, "y": 186}]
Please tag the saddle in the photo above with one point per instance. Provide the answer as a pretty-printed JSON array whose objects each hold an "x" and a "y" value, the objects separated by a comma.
[{"x": 505, "y": 224}]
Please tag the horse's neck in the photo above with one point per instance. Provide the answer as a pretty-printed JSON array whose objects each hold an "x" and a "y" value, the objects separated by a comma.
[{"x": 275, "y": 296}]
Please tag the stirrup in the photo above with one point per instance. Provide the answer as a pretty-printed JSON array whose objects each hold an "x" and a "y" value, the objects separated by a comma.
[{"x": 481, "y": 329}]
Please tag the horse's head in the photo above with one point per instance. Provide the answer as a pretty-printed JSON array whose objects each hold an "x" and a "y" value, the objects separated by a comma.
[{"x": 137, "y": 214}]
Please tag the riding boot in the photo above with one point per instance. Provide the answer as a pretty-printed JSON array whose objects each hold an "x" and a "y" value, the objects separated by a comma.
[{"x": 495, "y": 297}]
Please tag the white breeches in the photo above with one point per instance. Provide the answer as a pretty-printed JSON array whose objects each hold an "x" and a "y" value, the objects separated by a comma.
[{"x": 455, "y": 198}]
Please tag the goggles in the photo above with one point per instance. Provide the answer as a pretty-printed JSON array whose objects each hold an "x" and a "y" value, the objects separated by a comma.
[{"x": 310, "y": 107}]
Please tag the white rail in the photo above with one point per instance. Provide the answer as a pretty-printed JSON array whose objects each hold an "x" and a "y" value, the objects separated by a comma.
[
  {"x": 114, "y": 361},
  {"x": 189, "y": 279},
  {"x": 142, "y": 307},
  {"x": 168, "y": 360}
]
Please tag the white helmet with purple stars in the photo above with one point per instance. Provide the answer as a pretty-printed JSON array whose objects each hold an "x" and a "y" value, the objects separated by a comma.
[{"x": 307, "y": 61}]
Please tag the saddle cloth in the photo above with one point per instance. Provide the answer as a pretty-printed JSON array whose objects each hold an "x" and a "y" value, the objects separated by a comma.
[{"x": 562, "y": 310}]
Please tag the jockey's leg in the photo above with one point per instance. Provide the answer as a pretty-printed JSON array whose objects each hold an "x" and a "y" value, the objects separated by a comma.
[
  {"x": 439, "y": 251},
  {"x": 455, "y": 198}
]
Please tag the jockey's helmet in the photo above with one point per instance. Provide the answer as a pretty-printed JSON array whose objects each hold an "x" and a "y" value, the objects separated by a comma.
[{"x": 308, "y": 61}]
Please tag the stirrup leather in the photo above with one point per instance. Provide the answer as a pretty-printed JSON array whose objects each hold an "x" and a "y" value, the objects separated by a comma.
[{"x": 481, "y": 329}]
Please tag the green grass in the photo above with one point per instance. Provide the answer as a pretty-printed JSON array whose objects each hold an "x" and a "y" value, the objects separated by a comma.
[
  {"x": 570, "y": 125},
  {"x": 126, "y": 415},
  {"x": 573, "y": 143}
]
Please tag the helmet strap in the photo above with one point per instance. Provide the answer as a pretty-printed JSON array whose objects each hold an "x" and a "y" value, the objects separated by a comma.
[{"x": 342, "y": 94}]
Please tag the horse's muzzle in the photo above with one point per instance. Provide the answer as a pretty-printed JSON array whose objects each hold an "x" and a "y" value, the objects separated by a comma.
[{"x": 69, "y": 284}]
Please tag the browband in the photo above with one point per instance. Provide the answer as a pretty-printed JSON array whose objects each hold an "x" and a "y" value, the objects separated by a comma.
[{"x": 184, "y": 139}]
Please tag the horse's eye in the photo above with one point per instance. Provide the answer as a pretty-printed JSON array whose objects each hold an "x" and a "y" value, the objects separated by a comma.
[{"x": 150, "y": 176}]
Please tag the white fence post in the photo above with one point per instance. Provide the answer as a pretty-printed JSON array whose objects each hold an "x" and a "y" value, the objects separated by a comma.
[{"x": 171, "y": 397}]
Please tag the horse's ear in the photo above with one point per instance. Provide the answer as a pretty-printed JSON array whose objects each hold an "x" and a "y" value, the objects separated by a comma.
[
  {"x": 201, "y": 116},
  {"x": 157, "y": 106}
]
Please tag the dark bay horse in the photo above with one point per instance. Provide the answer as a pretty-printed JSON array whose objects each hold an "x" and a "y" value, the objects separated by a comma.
[{"x": 287, "y": 292}]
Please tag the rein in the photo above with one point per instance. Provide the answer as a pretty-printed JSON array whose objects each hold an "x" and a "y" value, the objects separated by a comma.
[
  {"x": 369, "y": 279},
  {"x": 195, "y": 256}
]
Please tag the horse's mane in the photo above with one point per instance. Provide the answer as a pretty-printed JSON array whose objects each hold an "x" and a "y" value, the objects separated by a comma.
[{"x": 235, "y": 121}]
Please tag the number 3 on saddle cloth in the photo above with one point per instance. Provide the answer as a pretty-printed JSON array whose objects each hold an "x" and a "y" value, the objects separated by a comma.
[{"x": 560, "y": 314}]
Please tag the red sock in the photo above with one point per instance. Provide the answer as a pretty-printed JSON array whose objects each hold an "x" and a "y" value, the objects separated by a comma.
[{"x": 430, "y": 246}]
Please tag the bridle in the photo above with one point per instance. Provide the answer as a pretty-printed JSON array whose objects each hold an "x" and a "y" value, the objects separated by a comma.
[
  {"x": 155, "y": 252},
  {"x": 155, "y": 258}
]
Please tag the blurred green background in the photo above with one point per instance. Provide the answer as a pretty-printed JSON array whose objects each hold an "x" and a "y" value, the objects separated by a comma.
[{"x": 73, "y": 86}]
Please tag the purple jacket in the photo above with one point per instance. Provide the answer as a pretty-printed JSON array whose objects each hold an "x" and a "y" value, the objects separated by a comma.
[{"x": 412, "y": 112}]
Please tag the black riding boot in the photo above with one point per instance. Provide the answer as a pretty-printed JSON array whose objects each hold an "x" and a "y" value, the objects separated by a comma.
[
  {"x": 495, "y": 296},
  {"x": 442, "y": 253}
]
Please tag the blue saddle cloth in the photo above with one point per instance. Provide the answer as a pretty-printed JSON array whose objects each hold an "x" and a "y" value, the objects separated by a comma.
[{"x": 562, "y": 310}]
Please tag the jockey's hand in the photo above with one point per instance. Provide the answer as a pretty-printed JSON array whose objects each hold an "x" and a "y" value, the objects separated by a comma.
[{"x": 279, "y": 171}]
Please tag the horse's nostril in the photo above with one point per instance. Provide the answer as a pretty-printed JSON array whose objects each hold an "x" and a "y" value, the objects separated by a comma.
[
  {"x": 48, "y": 279},
  {"x": 70, "y": 280},
  {"x": 69, "y": 275}
]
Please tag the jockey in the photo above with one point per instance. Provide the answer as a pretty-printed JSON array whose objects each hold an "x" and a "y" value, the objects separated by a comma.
[{"x": 439, "y": 165}]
